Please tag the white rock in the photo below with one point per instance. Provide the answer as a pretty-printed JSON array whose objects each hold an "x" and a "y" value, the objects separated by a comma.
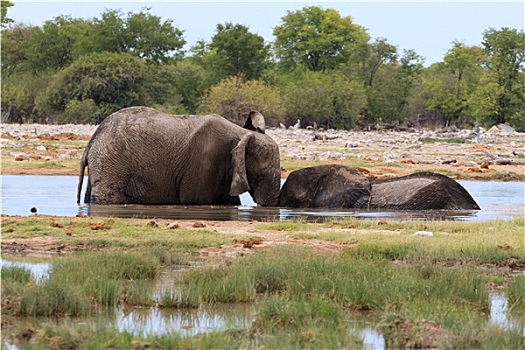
[
  {"x": 41, "y": 149},
  {"x": 423, "y": 233}
]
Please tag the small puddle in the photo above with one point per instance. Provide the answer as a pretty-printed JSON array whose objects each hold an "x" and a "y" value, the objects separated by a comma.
[
  {"x": 186, "y": 322},
  {"x": 499, "y": 313},
  {"x": 39, "y": 271}
]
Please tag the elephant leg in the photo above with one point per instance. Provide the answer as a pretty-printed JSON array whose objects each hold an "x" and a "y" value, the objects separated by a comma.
[
  {"x": 108, "y": 192},
  {"x": 226, "y": 199}
]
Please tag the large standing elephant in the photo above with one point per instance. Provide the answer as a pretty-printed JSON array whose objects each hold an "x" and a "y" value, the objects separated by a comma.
[
  {"x": 339, "y": 186},
  {"x": 143, "y": 156}
]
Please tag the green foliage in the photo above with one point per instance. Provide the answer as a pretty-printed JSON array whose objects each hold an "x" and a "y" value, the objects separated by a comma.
[
  {"x": 234, "y": 98},
  {"x": 16, "y": 43},
  {"x": 328, "y": 99},
  {"x": 239, "y": 52},
  {"x": 80, "y": 70},
  {"x": 82, "y": 111},
  {"x": 111, "y": 80},
  {"x": 505, "y": 56},
  {"x": 18, "y": 96},
  {"x": 5, "y": 5},
  {"x": 316, "y": 39}
]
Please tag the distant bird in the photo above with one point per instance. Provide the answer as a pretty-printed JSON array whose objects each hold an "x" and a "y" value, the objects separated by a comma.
[
  {"x": 296, "y": 126},
  {"x": 33, "y": 210}
]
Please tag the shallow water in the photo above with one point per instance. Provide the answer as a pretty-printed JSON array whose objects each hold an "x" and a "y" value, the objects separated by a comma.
[{"x": 56, "y": 195}]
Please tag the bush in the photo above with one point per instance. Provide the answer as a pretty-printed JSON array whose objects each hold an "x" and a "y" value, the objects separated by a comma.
[
  {"x": 234, "y": 98},
  {"x": 330, "y": 100},
  {"x": 113, "y": 81}
]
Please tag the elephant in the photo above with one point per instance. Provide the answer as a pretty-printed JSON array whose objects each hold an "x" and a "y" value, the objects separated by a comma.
[
  {"x": 420, "y": 191},
  {"x": 325, "y": 186},
  {"x": 139, "y": 155},
  {"x": 338, "y": 186}
]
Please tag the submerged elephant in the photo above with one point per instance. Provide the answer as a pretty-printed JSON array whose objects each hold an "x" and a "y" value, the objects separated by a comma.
[
  {"x": 325, "y": 186},
  {"x": 346, "y": 187},
  {"x": 143, "y": 156}
]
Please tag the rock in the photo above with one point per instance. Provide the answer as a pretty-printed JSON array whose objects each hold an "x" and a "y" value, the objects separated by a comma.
[
  {"x": 173, "y": 226},
  {"x": 423, "y": 233},
  {"x": 21, "y": 157},
  {"x": 41, "y": 149},
  {"x": 449, "y": 161},
  {"x": 484, "y": 165},
  {"x": 505, "y": 128},
  {"x": 198, "y": 224},
  {"x": 390, "y": 157}
]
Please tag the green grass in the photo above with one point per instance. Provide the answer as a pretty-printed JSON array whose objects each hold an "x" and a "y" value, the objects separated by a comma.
[
  {"x": 80, "y": 284},
  {"x": 444, "y": 140}
]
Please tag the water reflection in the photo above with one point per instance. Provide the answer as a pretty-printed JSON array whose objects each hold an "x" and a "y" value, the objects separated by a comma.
[
  {"x": 186, "y": 322},
  {"x": 499, "y": 313},
  {"x": 39, "y": 271}
]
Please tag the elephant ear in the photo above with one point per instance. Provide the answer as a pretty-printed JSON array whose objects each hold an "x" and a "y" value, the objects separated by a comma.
[
  {"x": 255, "y": 122},
  {"x": 239, "y": 178}
]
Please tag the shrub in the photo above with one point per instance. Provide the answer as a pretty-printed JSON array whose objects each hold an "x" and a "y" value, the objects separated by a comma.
[{"x": 234, "y": 98}]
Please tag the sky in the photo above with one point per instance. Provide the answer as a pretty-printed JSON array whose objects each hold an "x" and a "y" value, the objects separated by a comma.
[{"x": 426, "y": 27}]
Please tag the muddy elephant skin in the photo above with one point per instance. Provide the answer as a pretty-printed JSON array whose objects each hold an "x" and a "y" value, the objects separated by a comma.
[
  {"x": 142, "y": 156},
  {"x": 421, "y": 191},
  {"x": 325, "y": 186},
  {"x": 337, "y": 186}
]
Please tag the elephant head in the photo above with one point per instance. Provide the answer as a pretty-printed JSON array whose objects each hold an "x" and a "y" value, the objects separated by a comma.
[{"x": 256, "y": 169}]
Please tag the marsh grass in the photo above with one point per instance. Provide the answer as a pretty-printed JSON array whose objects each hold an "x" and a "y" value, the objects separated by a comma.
[
  {"x": 16, "y": 274},
  {"x": 516, "y": 295},
  {"x": 353, "y": 281},
  {"x": 80, "y": 284}
]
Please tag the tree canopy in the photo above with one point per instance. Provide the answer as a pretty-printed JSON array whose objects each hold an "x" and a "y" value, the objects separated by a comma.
[{"x": 321, "y": 67}]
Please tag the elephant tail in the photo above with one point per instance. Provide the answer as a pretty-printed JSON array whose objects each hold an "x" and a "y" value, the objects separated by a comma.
[{"x": 83, "y": 164}]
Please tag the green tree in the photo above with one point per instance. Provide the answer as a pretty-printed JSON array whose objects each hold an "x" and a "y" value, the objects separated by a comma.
[
  {"x": 328, "y": 99},
  {"x": 316, "y": 39},
  {"x": 19, "y": 92},
  {"x": 234, "y": 98},
  {"x": 113, "y": 81},
  {"x": 449, "y": 85},
  {"x": 190, "y": 80},
  {"x": 152, "y": 39},
  {"x": 505, "y": 56},
  {"x": 4, "y": 6},
  {"x": 52, "y": 46},
  {"x": 141, "y": 34},
  {"x": 381, "y": 52},
  {"x": 15, "y": 48},
  {"x": 239, "y": 52}
]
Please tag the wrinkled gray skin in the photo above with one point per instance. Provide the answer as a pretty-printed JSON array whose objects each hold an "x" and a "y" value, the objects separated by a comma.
[
  {"x": 420, "y": 191},
  {"x": 143, "y": 156},
  {"x": 325, "y": 186},
  {"x": 338, "y": 186}
]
